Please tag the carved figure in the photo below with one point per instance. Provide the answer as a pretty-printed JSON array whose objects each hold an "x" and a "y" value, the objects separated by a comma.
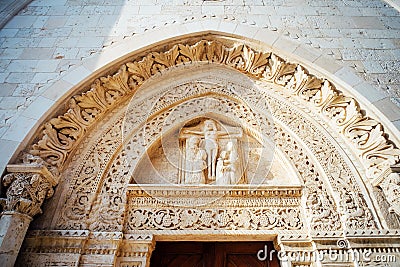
[
  {"x": 195, "y": 162},
  {"x": 211, "y": 136},
  {"x": 392, "y": 187},
  {"x": 227, "y": 170}
]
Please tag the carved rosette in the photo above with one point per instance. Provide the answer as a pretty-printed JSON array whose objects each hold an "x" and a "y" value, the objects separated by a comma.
[{"x": 28, "y": 185}]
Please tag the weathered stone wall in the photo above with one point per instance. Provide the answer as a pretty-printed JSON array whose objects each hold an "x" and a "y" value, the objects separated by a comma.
[{"x": 42, "y": 48}]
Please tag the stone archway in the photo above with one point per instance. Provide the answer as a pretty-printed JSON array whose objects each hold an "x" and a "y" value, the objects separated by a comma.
[{"x": 335, "y": 151}]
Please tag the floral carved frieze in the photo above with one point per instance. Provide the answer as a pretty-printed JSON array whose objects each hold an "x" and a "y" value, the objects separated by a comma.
[
  {"x": 230, "y": 212},
  {"x": 214, "y": 219},
  {"x": 60, "y": 134}
]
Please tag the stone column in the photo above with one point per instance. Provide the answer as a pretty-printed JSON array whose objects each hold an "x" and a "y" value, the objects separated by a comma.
[
  {"x": 136, "y": 250},
  {"x": 28, "y": 185},
  {"x": 13, "y": 227}
]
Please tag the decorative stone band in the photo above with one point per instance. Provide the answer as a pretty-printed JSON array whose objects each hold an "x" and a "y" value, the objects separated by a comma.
[
  {"x": 69, "y": 248},
  {"x": 55, "y": 241},
  {"x": 242, "y": 207},
  {"x": 195, "y": 191},
  {"x": 28, "y": 186}
]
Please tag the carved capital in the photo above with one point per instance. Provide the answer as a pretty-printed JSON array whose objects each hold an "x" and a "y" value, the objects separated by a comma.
[{"x": 28, "y": 185}]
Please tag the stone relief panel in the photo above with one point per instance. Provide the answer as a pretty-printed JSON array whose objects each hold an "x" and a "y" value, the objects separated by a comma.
[
  {"x": 121, "y": 214},
  {"x": 209, "y": 209},
  {"x": 392, "y": 188},
  {"x": 351, "y": 200},
  {"x": 211, "y": 153},
  {"x": 317, "y": 201},
  {"x": 61, "y": 134},
  {"x": 392, "y": 220}
]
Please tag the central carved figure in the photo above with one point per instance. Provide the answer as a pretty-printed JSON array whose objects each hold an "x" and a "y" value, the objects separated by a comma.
[{"x": 210, "y": 140}]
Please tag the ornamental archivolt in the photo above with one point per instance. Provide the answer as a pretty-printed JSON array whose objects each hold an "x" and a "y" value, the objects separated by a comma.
[
  {"x": 61, "y": 135},
  {"x": 109, "y": 206}
]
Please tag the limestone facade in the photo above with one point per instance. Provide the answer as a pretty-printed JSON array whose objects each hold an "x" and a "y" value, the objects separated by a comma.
[{"x": 206, "y": 135}]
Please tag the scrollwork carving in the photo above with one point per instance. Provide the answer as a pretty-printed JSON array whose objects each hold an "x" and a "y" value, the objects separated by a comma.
[{"x": 214, "y": 219}]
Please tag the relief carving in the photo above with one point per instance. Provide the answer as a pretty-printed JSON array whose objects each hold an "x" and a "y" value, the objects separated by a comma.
[
  {"x": 214, "y": 219},
  {"x": 60, "y": 134},
  {"x": 317, "y": 192},
  {"x": 391, "y": 187},
  {"x": 195, "y": 162},
  {"x": 27, "y": 186},
  {"x": 205, "y": 158},
  {"x": 228, "y": 166},
  {"x": 264, "y": 208},
  {"x": 98, "y": 196},
  {"x": 122, "y": 157}
]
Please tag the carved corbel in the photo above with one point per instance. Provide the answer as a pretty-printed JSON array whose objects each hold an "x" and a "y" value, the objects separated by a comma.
[
  {"x": 391, "y": 188},
  {"x": 27, "y": 186}
]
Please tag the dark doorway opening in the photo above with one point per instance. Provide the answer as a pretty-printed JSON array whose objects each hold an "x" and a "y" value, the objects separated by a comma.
[{"x": 213, "y": 254}]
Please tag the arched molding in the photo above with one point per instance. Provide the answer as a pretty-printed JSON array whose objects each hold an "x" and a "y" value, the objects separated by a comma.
[
  {"x": 376, "y": 152},
  {"x": 349, "y": 187},
  {"x": 72, "y": 82},
  {"x": 108, "y": 96},
  {"x": 61, "y": 134}
]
